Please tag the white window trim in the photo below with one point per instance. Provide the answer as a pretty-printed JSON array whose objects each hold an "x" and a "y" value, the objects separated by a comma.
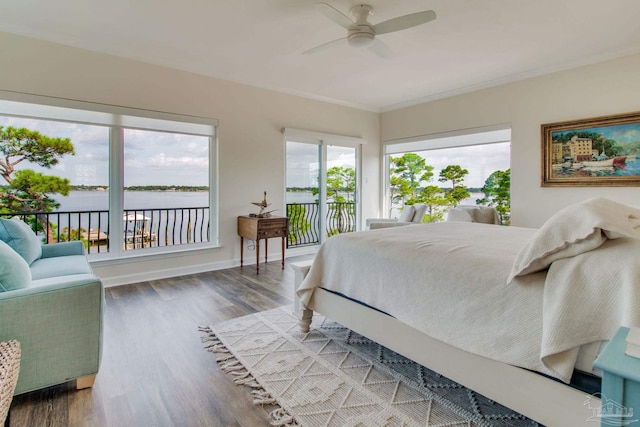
[
  {"x": 492, "y": 134},
  {"x": 458, "y": 138},
  {"x": 323, "y": 139}
]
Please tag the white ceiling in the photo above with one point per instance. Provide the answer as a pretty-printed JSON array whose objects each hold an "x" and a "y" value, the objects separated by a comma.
[{"x": 472, "y": 44}]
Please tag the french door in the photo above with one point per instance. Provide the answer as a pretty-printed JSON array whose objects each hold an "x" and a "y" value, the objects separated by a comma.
[{"x": 321, "y": 190}]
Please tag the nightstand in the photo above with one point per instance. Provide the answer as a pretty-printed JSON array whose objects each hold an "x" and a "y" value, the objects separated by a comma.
[
  {"x": 620, "y": 392},
  {"x": 255, "y": 228}
]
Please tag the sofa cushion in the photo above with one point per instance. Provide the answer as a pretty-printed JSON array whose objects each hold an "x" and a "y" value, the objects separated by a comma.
[
  {"x": 60, "y": 266},
  {"x": 407, "y": 214},
  {"x": 67, "y": 281},
  {"x": 420, "y": 211},
  {"x": 21, "y": 238},
  {"x": 14, "y": 271}
]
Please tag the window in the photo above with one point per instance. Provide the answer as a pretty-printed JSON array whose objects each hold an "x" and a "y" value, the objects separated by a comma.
[
  {"x": 447, "y": 170},
  {"x": 135, "y": 181},
  {"x": 321, "y": 186}
]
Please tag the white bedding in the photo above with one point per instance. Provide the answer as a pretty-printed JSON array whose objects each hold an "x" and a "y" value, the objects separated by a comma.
[{"x": 449, "y": 281}]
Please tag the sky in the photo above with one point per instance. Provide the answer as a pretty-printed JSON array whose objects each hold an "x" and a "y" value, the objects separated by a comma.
[
  {"x": 629, "y": 132},
  {"x": 159, "y": 158},
  {"x": 302, "y": 162},
  {"x": 151, "y": 158},
  {"x": 480, "y": 160}
]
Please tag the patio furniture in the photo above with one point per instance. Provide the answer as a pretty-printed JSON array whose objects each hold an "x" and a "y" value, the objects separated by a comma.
[{"x": 411, "y": 214}]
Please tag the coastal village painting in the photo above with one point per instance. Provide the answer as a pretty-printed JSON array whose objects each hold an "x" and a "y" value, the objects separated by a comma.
[{"x": 599, "y": 151}]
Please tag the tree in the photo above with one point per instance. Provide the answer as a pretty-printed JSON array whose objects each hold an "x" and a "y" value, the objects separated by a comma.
[
  {"x": 455, "y": 174},
  {"x": 437, "y": 203},
  {"x": 497, "y": 193},
  {"x": 341, "y": 180},
  {"x": 27, "y": 190},
  {"x": 407, "y": 174}
]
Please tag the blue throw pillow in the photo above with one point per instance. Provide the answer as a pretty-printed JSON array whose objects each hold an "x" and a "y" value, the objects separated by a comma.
[
  {"x": 21, "y": 238},
  {"x": 14, "y": 271}
]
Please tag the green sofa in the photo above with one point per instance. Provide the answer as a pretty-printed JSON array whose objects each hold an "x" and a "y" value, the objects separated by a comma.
[{"x": 57, "y": 315}]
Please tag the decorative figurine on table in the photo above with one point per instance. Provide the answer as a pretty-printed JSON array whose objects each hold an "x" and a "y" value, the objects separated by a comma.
[{"x": 263, "y": 205}]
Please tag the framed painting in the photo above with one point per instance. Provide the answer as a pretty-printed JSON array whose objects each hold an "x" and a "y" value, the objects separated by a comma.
[{"x": 600, "y": 151}]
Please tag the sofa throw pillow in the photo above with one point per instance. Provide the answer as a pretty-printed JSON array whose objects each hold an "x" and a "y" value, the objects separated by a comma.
[
  {"x": 14, "y": 271},
  {"x": 407, "y": 214},
  {"x": 21, "y": 238},
  {"x": 420, "y": 211}
]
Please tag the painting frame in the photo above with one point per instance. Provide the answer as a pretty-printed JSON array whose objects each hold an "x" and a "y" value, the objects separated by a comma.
[{"x": 581, "y": 162}]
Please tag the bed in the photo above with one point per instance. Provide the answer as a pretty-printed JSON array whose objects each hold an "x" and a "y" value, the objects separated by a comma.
[{"x": 490, "y": 307}]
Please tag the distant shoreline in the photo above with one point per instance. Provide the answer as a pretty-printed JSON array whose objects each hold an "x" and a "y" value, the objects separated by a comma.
[{"x": 168, "y": 188}]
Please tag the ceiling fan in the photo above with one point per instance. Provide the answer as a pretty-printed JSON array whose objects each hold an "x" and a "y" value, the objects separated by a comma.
[{"x": 361, "y": 33}]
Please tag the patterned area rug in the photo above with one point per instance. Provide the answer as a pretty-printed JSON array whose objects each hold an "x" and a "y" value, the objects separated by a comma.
[{"x": 332, "y": 376}]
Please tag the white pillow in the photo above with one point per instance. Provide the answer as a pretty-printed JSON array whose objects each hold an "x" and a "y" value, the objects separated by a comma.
[
  {"x": 458, "y": 214},
  {"x": 407, "y": 214},
  {"x": 576, "y": 229},
  {"x": 420, "y": 210}
]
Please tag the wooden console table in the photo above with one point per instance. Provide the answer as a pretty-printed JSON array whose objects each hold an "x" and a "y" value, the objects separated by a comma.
[{"x": 255, "y": 228}]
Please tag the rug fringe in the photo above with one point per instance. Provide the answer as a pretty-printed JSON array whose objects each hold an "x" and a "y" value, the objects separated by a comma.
[
  {"x": 280, "y": 417},
  {"x": 242, "y": 376}
]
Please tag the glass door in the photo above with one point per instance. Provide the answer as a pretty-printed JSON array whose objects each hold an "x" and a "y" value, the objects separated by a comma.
[
  {"x": 321, "y": 191},
  {"x": 340, "y": 194}
]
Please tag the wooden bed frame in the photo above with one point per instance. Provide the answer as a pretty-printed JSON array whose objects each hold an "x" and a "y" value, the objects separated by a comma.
[{"x": 544, "y": 400}]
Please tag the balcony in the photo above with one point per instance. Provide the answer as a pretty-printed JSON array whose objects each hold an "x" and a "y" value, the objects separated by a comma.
[
  {"x": 304, "y": 222},
  {"x": 142, "y": 228},
  {"x": 147, "y": 228}
]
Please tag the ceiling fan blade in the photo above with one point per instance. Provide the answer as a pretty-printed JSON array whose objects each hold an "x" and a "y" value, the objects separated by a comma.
[
  {"x": 404, "y": 22},
  {"x": 335, "y": 15},
  {"x": 381, "y": 49},
  {"x": 325, "y": 46}
]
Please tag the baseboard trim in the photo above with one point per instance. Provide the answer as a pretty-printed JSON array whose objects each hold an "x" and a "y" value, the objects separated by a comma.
[{"x": 128, "y": 279}]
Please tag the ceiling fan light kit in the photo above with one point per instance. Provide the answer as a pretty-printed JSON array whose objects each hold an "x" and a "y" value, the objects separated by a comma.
[
  {"x": 362, "y": 36},
  {"x": 361, "y": 33}
]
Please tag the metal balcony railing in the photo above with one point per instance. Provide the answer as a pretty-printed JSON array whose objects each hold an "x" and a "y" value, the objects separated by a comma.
[
  {"x": 304, "y": 225},
  {"x": 142, "y": 228}
]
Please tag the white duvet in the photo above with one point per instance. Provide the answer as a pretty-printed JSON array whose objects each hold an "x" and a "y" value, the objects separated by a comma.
[{"x": 451, "y": 281}]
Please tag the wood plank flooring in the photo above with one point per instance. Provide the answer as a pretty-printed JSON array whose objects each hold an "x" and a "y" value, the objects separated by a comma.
[{"x": 155, "y": 371}]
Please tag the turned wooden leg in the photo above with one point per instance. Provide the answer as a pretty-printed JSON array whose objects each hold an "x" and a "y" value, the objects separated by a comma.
[
  {"x": 258, "y": 256},
  {"x": 304, "y": 322},
  {"x": 85, "y": 382},
  {"x": 283, "y": 252}
]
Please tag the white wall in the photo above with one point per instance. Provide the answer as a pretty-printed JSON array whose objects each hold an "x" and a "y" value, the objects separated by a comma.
[
  {"x": 251, "y": 119},
  {"x": 597, "y": 90},
  {"x": 251, "y": 146}
]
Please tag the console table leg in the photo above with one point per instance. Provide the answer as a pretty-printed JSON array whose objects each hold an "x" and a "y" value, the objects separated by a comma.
[
  {"x": 266, "y": 250},
  {"x": 283, "y": 253},
  {"x": 258, "y": 256},
  {"x": 241, "y": 251}
]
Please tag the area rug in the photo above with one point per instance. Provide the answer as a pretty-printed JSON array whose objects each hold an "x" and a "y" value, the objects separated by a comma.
[{"x": 332, "y": 376}]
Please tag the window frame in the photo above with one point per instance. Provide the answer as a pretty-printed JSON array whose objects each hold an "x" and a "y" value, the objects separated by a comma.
[
  {"x": 118, "y": 118},
  {"x": 485, "y": 135},
  {"x": 323, "y": 140}
]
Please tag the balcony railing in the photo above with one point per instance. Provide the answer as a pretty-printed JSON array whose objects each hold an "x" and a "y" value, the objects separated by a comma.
[
  {"x": 142, "y": 228},
  {"x": 304, "y": 226}
]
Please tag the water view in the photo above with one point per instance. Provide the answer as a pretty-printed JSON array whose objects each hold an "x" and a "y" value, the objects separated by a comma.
[{"x": 133, "y": 200}]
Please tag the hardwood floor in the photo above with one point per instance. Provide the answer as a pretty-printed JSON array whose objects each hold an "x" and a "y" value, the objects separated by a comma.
[{"x": 155, "y": 371}]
